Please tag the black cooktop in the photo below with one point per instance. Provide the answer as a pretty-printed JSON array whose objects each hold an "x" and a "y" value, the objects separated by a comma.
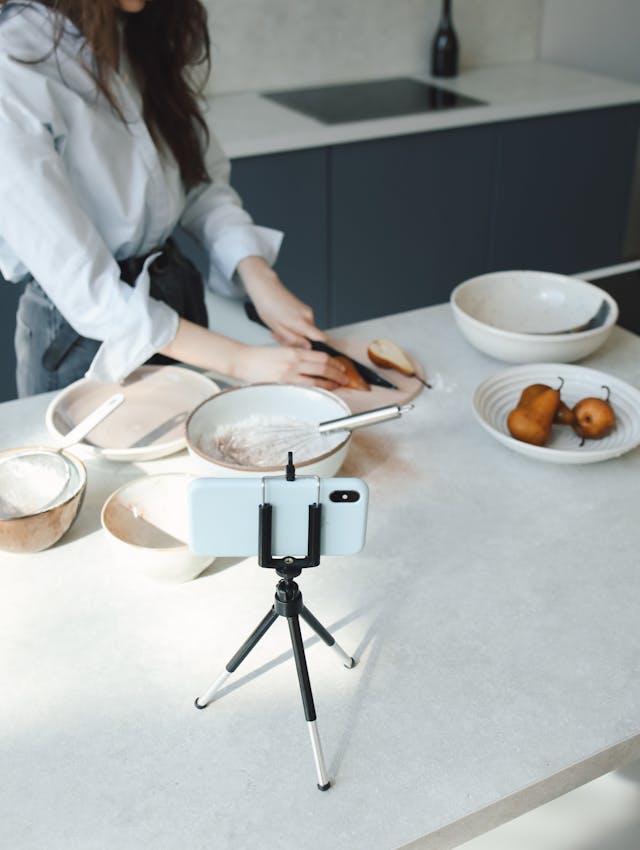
[{"x": 338, "y": 104}]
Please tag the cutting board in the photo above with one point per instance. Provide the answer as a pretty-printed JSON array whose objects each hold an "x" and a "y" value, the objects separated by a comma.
[{"x": 359, "y": 400}]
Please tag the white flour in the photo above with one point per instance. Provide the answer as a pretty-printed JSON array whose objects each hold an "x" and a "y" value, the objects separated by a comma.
[
  {"x": 28, "y": 483},
  {"x": 260, "y": 440}
]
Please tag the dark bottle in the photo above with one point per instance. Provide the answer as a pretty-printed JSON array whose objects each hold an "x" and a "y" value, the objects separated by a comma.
[{"x": 444, "y": 51}]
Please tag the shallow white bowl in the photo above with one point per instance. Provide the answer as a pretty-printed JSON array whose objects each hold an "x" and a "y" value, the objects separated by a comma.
[
  {"x": 269, "y": 400},
  {"x": 150, "y": 423},
  {"x": 147, "y": 523},
  {"x": 518, "y": 316}
]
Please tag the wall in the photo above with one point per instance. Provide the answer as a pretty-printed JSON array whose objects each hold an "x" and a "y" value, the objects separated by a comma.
[
  {"x": 261, "y": 44},
  {"x": 595, "y": 35}
]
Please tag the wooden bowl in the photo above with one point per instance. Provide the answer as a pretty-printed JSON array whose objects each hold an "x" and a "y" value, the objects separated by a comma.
[{"x": 41, "y": 530}]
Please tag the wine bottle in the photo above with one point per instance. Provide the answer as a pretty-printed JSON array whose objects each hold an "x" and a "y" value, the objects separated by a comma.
[{"x": 444, "y": 51}]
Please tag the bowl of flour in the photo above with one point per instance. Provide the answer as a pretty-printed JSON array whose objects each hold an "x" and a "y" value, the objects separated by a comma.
[{"x": 249, "y": 431}]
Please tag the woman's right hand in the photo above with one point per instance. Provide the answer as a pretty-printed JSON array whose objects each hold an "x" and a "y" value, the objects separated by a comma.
[{"x": 285, "y": 365}]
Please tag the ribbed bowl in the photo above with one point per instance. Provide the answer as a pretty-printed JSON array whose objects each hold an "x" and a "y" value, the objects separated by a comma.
[{"x": 497, "y": 396}]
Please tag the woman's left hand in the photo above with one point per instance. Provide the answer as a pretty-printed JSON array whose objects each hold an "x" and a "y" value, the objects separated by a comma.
[{"x": 290, "y": 319}]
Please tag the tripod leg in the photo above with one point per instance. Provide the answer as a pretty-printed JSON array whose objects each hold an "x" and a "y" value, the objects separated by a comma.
[
  {"x": 327, "y": 637},
  {"x": 307, "y": 701},
  {"x": 238, "y": 658}
]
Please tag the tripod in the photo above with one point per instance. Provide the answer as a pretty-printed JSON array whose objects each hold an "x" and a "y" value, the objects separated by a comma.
[{"x": 288, "y": 603}]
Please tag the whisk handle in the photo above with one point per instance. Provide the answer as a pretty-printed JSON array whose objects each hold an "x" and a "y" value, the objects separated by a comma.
[{"x": 360, "y": 420}]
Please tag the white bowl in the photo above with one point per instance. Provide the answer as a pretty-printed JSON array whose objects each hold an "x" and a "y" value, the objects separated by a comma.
[
  {"x": 147, "y": 523},
  {"x": 271, "y": 403},
  {"x": 519, "y": 316}
]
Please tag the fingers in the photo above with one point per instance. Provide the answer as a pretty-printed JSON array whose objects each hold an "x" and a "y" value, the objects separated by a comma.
[
  {"x": 288, "y": 337},
  {"x": 290, "y": 365},
  {"x": 297, "y": 333},
  {"x": 316, "y": 334},
  {"x": 320, "y": 365},
  {"x": 303, "y": 381}
]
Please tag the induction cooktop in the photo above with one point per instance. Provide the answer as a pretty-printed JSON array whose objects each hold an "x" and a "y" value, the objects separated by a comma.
[{"x": 337, "y": 104}]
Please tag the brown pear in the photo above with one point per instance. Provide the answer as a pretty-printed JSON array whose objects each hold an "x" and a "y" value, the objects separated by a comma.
[
  {"x": 564, "y": 414},
  {"x": 529, "y": 393},
  {"x": 531, "y": 422},
  {"x": 594, "y": 418}
]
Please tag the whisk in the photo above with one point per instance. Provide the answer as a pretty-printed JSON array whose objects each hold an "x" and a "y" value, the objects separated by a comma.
[{"x": 260, "y": 441}]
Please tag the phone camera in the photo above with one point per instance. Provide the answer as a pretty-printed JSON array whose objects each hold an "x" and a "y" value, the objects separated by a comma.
[{"x": 344, "y": 496}]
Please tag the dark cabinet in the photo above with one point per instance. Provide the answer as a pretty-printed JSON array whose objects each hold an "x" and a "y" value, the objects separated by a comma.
[
  {"x": 393, "y": 224},
  {"x": 289, "y": 192},
  {"x": 387, "y": 225},
  {"x": 563, "y": 190},
  {"x": 410, "y": 217}
]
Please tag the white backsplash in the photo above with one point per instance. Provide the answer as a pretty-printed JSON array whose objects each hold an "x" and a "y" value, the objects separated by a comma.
[{"x": 260, "y": 44}]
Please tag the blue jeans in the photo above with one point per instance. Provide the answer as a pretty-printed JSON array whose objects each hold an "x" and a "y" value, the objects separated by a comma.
[
  {"x": 38, "y": 322},
  {"x": 174, "y": 280}
]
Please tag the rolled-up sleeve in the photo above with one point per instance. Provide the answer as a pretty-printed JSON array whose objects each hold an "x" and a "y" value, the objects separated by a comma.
[
  {"x": 215, "y": 216},
  {"x": 43, "y": 223}
]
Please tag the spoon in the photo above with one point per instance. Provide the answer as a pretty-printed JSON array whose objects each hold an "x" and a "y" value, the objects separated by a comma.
[
  {"x": 33, "y": 479},
  {"x": 598, "y": 319}
]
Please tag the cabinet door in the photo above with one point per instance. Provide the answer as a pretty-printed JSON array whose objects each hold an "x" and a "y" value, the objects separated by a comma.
[
  {"x": 563, "y": 190},
  {"x": 410, "y": 219},
  {"x": 288, "y": 192}
]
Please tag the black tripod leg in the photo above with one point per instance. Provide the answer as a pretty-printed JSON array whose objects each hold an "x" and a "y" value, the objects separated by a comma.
[
  {"x": 260, "y": 630},
  {"x": 327, "y": 637},
  {"x": 307, "y": 701}
]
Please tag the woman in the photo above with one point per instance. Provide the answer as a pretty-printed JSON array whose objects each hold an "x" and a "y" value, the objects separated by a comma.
[{"x": 103, "y": 152}]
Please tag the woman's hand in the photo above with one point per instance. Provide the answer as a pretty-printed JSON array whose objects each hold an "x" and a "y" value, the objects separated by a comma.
[
  {"x": 290, "y": 319},
  {"x": 285, "y": 365},
  {"x": 206, "y": 349}
]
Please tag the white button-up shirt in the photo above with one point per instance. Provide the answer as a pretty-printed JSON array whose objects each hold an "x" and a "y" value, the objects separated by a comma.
[{"x": 81, "y": 189}]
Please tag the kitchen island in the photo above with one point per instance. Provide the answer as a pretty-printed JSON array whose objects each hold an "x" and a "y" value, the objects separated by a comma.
[{"x": 493, "y": 615}]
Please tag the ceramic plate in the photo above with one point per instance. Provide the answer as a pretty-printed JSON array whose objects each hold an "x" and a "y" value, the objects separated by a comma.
[
  {"x": 149, "y": 424},
  {"x": 497, "y": 396}
]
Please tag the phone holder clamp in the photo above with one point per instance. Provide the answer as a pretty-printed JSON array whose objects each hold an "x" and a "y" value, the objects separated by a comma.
[{"x": 289, "y": 563}]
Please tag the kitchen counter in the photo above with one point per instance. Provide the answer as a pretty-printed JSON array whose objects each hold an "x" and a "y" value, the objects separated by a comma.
[
  {"x": 248, "y": 124},
  {"x": 493, "y": 614}
]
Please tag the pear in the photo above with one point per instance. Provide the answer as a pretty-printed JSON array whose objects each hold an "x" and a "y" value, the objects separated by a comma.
[
  {"x": 532, "y": 419},
  {"x": 594, "y": 418},
  {"x": 529, "y": 393},
  {"x": 564, "y": 415}
]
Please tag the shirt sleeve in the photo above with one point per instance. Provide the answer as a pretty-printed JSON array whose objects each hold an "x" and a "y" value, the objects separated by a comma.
[
  {"x": 44, "y": 224},
  {"x": 215, "y": 216}
]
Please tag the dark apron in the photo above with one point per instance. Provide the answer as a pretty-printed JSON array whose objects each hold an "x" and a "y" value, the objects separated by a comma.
[{"x": 66, "y": 355}]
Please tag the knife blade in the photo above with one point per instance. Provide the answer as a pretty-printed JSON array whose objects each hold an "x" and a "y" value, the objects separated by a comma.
[{"x": 365, "y": 372}]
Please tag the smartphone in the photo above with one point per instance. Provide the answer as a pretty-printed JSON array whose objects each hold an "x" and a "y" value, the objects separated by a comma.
[{"x": 224, "y": 515}]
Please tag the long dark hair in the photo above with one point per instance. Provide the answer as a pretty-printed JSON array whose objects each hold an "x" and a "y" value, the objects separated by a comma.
[{"x": 167, "y": 44}]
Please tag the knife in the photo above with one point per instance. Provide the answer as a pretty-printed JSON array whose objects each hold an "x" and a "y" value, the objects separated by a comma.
[{"x": 365, "y": 372}]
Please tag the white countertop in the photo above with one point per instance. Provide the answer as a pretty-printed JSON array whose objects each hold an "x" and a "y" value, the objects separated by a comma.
[
  {"x": 493, "y": 613},
  {"x": 248, "y": 124}
]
